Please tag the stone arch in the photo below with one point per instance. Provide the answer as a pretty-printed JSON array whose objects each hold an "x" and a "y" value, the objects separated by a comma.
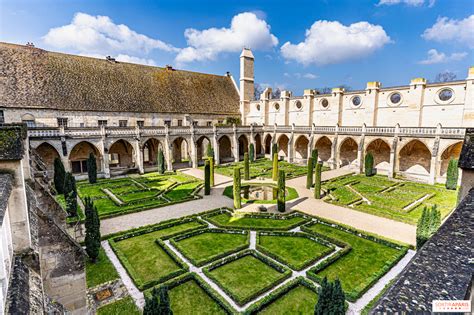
[
  {"x": 283, "y": 141},
  {"x": 225, "y": 149},
  {"x": 380, "y": 150},
  {"x": 414, "y": 158},
  {"x": 28, "y": 119},
  {"x": 121, "y": 154},
  {"x": 348, "y": 152},
  {"x": 323, "y": 145},
  {"x": 258, "y": 145},
  {"x": 150, "y": 152},
  {"x": 452, "y": 151},
  {"x": 243, "y": 146},
  {"x": 79, "y": 155},
  {"x": 301, "y": 148},
  {"x": 180, "y": 152},
  {"x": 48, "y": 154},
  {"x": 268, "y": 144},
  {"x": 201, "y": 149}
]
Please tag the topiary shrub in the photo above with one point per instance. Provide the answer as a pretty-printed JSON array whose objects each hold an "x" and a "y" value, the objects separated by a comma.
[
  {"x": 427, "y": 225},
  {"x": 207, "y": 178},
  {"x": 92, "y": 169},
  {"x": 314, "y": 155},
  {"x": 309, "y": 175},
  {"x": 161, "y": 161},
  {"x": 275, "y": 167},
  {"x": 151, "y": 303},
  {"x": 369, "y": 164},
  {"x": 331, "y": 298},
  {"x": 211, "y": 171},
  {"x": 274, "y": 149},
  {"x": 246, "y": 166},
  {"x": 281, "y": 191},
  {"x": 251, "y": 152},
  {"x": 70, "y": 194},
  {"x": 59, "y": 176},
  {"x": 164, "y": 307},
  {"x": 452, "y": 174},
  {"x": 209, "y": 150},
  {"x": 92, "y": 225},
  {"x": 237, "y": 188},
  {"x": 317, "y": 180}
]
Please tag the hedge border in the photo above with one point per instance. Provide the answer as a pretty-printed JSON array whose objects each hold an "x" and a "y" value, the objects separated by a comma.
[
  {"x": 292, "y": 193},
  {"x": 278, "y": 293},
  {"x": 286, "y": 273},
  {"x": 258, "y": 215},
  {"x": 174, "y": 241},
  {"x": 141, "y": 285},
  {"x": 331, "y": 248}
]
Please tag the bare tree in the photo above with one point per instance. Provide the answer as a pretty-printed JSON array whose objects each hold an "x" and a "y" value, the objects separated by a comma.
[
  {"x": 276, "y": 93},
  {"x": 258, "y": 90},
  {"x": 328, "y": 90},
  {"x": 445, "y": 76}
]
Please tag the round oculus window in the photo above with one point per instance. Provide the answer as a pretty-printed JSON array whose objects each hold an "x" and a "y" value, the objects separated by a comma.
[
  {"x": 298, "y": 105},
  {"x": 277, "y": 106},
  {"x": 258, "y": 107},
  {"x": 395, "y": 98},
  {"x": 324, "y": 103},
  {"x": 445, "y": 95},
  {"x": 356, "y": 101}
]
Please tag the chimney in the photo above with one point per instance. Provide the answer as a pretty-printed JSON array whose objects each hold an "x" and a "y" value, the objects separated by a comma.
[
  {"x": 111, "y": 59},
  {"x": 169, "y": 67}
]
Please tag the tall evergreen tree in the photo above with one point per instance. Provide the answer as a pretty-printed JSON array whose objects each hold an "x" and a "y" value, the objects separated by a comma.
[
  {"x": 209, "y": 150},
  {"x": 237, "y": 188},
  {"x": 59, "y": 176},
  {"x": 274, "y": 149},
  {"x": 452, "y": 174},
  {"x": 369, "y": 164},
  {"x": 92, "y": 225},
  {"x": 281, "y": 191},
  {"x": 251, "y": 152},
  {"x": 338, "y": 299},
  {"x": 164, "y": 307},
  {"x": 314, "y": 155},
  {"x": 211, "y": 170},
  {"x": 275, "y": 167},
  {"x": 317, "y": 181},
  {"x": 151, "y": 303},
  {"x": 246, "y": 166},
  {"x": 92, "y": 168},
  {"x": 309, "y": 174},
  {"x": 70, "y": 194},
  {"x": 161, "y": 161},
  {"x": 331, "y": 299},
  {"x": 207, "y": 178}
]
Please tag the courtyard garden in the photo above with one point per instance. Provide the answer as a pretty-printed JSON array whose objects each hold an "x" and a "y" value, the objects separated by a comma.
[
  {"x": 221, "y": 261},
  {"x": 261, "y": 193},
  {"x": 136, "y": 193},
  {"x": 395, "y": 199}
]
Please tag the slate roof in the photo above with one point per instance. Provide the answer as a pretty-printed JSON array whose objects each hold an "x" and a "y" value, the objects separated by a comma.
[
  {"x": 5, "y": 190},
  {"x": 441, "y": 270},
  {"x": 11, "y": 141},
  {"x": 34, "y": 78},
  {"x": 466, "y": 161}
]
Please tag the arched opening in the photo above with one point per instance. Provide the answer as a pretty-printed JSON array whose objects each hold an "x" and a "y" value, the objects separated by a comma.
[
  {"x": 121, "y": 155},
  {"x": 381, "y": 152},
  {"x": 29, "y": 120},
  {"x": 301, "y": 148},
  {"x": 48, "y": 154},
  {"x": 150, "y": 152},
  {"x": 451, "y": 152},
  {"x": 79, "y": 155},
  {"x": 258, "y": 146},
  {"x": 415, "y": 158},
  {"x": 268, "y": 144},
  {"x": 225, "y": 150},
  {"x": 201, "y": 149},
  {"x": 180, "y": 153},
  {"x": 243, "y": 146},
  {"x": 323, "y": 145},
  {"x": 347, "y": 152},
  {"x": 283, "y": 146}
]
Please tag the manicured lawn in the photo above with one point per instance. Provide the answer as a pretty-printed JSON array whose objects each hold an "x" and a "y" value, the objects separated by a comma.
[
  {"x": 294, "y": 251},
  {"x": 124, "y": 306},
  {"x": 145, "y": 258},
  {"x": 291, "y": 194},
  {"x": 190, "y": 298},
  {"x": 394, "y": 199},
  {"x": 101, "y": 271},
  {"x": 299, "y": 300},
  {"x": 245, "y": 222},
  {"x": 364, "y": 262},
  {"x": 205, "y": 247},
  {"x": 182, "y": 191},
  {"x": 245, "y": 277}
]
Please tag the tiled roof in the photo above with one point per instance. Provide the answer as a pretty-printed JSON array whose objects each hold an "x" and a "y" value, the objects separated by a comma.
[
  {"x": 466, "y": 161},
  {"x": 35, "y": 78},
  {"x": 441, "y": 270},
  {"x": 11, "y": 142},
  {"x": 5, "y": 190}
]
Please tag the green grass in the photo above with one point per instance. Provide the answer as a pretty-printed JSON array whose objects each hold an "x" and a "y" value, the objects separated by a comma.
[
  {"x": 101, "y": 271},
  {"x": 245, "y": 277},
  {"x": 149, "y": 261},
  {"x": 295, "y": 251},
  {"x": 62, "y": 202},
  {"x": 205, "y": 247},
  {"x": 364, "y": 262},
  {"x": 190, "y": 298},
  {"x": 290, "y": 195},
  {"x": 182, "y": 191},
  {"x": 392, "y": 202},
  {"x": 228, "y": 220},
  {"x": 125, "y": 306},
  {"x": 299, "y": 300}
]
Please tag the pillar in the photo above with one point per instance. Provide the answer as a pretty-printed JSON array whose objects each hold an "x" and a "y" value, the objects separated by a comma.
[
  {"x": 192, "y": 143},
  {"x": 235, "y": 144},
  {"x": 415, "y": 99},
  {"x": 309, "y": 99},
  {"x": 105, "y": 158},
  {"x": 393, "y": 153},
  {"x": 360, "y": 152},
  {"x": 434, "y": 158},
  {"x": 168, "y": 150},
  {"x": 291, "y": 145},
  {"x": 215, "y": 145},
  {"x": 334, "y": 160},
  {"x": 138, "y": 155},
  {"x": 371, "y": 101}
]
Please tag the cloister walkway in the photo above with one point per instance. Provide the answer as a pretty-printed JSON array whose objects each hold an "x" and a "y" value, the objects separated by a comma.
[{"x": 306, "y": 203}]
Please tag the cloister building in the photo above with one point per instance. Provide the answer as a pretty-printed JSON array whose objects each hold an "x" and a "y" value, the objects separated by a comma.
[{"x": 123, "y": 113}]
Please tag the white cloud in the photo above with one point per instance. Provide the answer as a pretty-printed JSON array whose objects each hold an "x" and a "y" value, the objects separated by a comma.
[
  {"x": 412, "y": 3},
  {"x": 310, "y": 76},
  {"x": 439, "y": 57},
  {"x": 100, "y": 36},
  {"x": 246, "y": 30},
  {"x": 446, "y": 29},
  {"x": 329, "y": 42}
]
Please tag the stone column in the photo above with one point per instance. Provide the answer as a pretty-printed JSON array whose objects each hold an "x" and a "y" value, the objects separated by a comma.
[
  {"x": 215, "y": 145},
  {"x": 168, "y": 150},
  {"x": 291, "y": 145},
  {"x": 235, "y": 144},
  {"x": 371, "y": 101},
  {"x": 105, "y": 153},
  {"x": 192, "y": 143},
  {"x": 274, "y": 140},
  {"x": 138, "y": 155},
  {"x": 285, "y": 102},
  {"x": 309, "y": 99},
  {"x": 334, "y": 160},
  {"x": 393, "y": 153},
  {"x": 360, "y": 152},
  {"x": 434, "y": 157}
]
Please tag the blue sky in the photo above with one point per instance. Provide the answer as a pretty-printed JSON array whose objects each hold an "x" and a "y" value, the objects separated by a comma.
[{"x": 297, "y": 44}]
